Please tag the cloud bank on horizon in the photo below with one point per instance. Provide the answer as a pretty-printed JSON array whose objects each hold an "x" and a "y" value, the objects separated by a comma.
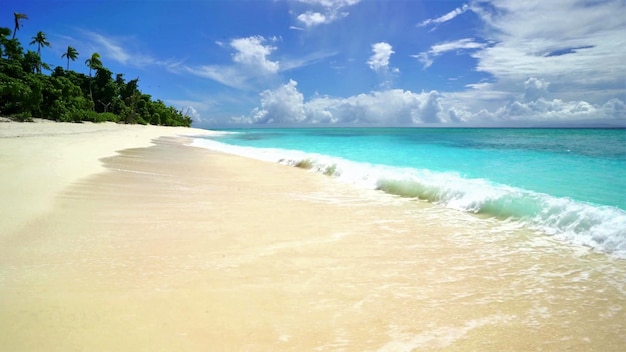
[{"x": 359, "y": 62}]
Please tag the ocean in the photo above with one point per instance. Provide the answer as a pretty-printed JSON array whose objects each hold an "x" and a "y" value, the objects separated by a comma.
[{"x": 568, "y": 184}]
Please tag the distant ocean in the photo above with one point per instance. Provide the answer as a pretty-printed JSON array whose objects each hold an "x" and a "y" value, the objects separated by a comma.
[{"x": 567, "y": 183}]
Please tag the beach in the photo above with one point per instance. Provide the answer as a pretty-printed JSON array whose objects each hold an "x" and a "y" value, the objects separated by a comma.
[{"x": 127, "y": 238}]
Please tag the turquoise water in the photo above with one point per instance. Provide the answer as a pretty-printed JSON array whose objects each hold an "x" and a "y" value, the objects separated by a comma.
[{"x": 565, "y": 182}]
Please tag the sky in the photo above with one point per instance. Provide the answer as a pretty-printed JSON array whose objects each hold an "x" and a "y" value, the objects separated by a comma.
[{"x": 352, "y": 62}]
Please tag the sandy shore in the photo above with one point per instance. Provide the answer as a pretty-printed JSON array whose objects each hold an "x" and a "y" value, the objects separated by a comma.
[
  {"x": 37, "y": 160},
  {"x": 166, "y": 247}
]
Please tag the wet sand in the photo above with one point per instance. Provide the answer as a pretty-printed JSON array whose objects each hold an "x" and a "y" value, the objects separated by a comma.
[{"x": 171, "y": 247}]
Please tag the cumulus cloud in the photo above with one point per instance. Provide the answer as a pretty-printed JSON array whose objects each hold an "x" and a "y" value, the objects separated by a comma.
[
  {"x": 252, "y": 52},
  {"x": 379, "y": 62},
  {"x": 327, "y": 11},
  {"x": 380, "y": 58},
  {"x": 397, "y": 107},
  {"x": 558, "y": 110},
  {"x": 389, "y": 107},
  {"x": 534, "y": 89},
  {"x": 534, "y": 104},
  {"x": 285, "y": 104}
]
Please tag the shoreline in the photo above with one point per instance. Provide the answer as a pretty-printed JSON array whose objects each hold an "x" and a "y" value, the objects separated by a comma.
[{"x": 170, "y": 247}]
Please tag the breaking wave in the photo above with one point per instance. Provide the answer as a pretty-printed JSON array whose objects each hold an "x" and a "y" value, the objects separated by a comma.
[{"x": 602, "y": 228}]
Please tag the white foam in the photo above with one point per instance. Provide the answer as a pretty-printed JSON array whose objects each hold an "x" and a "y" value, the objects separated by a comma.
[{"x": 602, "y": 228}]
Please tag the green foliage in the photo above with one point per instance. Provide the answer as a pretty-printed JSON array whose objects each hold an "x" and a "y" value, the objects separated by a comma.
[
  {"x": 14, "y": 96},
  {"x": 70, "y": 54},
  {"x": 11, "y": 49},
  {"x": 4, "y": 34},
  {"x": 31, "y": 63},
  {"x": 66, "y": 95}
]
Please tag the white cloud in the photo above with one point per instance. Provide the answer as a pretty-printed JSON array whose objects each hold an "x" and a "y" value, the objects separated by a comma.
[
  {"x": 539, "y": 56},
  {"x": 311, "y": 19},
  {"x": 465, "y": 43},
  {"x": 389, "y": 107},
  {"x": 427, "y": 58},
  {"x": 226, "y": 75},
  {"x": 533, "y": 105},
  {"x": 558, "y": 60},
  {"x": 379, "y": 62},
  {"x": 424, "y": 58},
  {"x": 198, "y": 110},
  {"x": 285, "y": 104},
  {"x": 251, "y": 52},
  {"x": 309, "y": 59},
  {"x": 109, "y": 47},
  {"x": 116, "y": 49},
  {"x": 557, "y": 110},
  {"x": 191, "y": 112},
  {"x": 331, "y": 3},
  {"x": 380, "y": 58},
  {"x": 327, "y": 11},
  {"x": 445, "y": 18},
  {"x": 534, "y": 89},
  {"x": 252, "y": 65},
  {"x": 250, "y": 61},
  {"x": 579, "y": 46}
]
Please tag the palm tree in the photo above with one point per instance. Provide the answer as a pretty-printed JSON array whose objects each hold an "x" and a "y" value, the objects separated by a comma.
[
  {"x": 41, "y": 40},
  {"x": 18, "y": 17},
  {"x": 93, "y": 63},
  {"x": 70, "y": 54}
]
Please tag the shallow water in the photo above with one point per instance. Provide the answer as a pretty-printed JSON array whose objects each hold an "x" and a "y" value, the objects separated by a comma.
[{"x": 564, "y": 182}]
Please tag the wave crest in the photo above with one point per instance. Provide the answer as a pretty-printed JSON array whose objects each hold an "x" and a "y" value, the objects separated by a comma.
[{"x": 600, "y": 227}]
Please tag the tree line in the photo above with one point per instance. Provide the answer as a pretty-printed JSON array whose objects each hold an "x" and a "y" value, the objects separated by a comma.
[{"x": 65, "y": 95}]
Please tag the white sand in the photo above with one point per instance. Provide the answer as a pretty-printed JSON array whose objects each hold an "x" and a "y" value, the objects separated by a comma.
[{"x": 39, "y": 159}]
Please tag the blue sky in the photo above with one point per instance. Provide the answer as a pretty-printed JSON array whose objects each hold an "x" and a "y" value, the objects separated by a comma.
[{"x": 352, "y": 62}]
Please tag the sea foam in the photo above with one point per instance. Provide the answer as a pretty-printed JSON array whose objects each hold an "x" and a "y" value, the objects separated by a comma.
[{"x": 602, "y": 228}]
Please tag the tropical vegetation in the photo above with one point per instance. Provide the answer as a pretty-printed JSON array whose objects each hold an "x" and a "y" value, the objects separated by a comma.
[
  {"x": 29, "y": 88},
  {"x": 70, "y": 54}
]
